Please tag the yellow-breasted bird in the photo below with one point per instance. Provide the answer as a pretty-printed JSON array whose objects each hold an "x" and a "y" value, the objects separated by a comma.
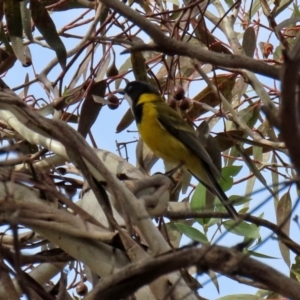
[{"x": 173, "y": 139}]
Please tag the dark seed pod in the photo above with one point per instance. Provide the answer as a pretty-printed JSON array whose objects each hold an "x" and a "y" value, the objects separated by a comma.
[
  {"x": 178, "y": 92},
  {"x": 81, "y": 289},
  {"x": 172, "y": 103},
  {"x": 112, "y": 71},
  {"x": 70, "y": 190},
  {"x": 184, "y": 104},
  {"x": 113, "y": 101},
  {"x": 61, "y": 170}
]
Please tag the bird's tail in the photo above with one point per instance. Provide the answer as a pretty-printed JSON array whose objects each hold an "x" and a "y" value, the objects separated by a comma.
[{"x": 215, "y": 188}]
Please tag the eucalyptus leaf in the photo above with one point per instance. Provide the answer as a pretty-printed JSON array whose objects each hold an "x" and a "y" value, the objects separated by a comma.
[
  {"x": 243, "y": 229},
  {"x": 283, "y": 213},
  {"x": 191, "y": 232}
]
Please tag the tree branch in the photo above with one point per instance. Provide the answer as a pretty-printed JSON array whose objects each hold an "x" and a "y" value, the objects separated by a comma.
[
  {"x": 173, "y": 47},
  {"x": 289, "y": 108},
  {"x": 219, "y": 259},
  {"x": 187, "y": 213}
]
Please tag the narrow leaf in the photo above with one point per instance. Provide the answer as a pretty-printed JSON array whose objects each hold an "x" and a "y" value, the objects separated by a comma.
[
  {"x": 47, "y": 28},
  {"x": 192, "y": 233},
  {"x": 174, "y": 235},
  {"x": 126, "y": 121},
  {"x": 253, "y": 168},
  {"x": 227, "y": 175},
  {"x": 243, "y": 229},
  {"x": 231, "y": 171},
  {"x": 198, "y": 202},
  {"x": 145, "y": 157},
  {"x": 261, "y": 255},
  {"x": 283, "y": 212},
  {"x": 238, "y": 200},
  {"x": 295, "y": 269},
  {"x": 90, "y": 109},
  {"x": 249, "y": 41},
  {"x": 224, "y": 83},
  {"x": 275, "y": 179},
  {"x": 282, "y": 5},
  {"x": 125, "y": 67},
  {"x": 139, "y": 67},
  {"x": 26, "y": 20},
  {"x": 15, "y": 30},
  {"x": 213, "y": 276},
  {"x": 83, "y": 65},
  {"x": 103, "y": 68}
]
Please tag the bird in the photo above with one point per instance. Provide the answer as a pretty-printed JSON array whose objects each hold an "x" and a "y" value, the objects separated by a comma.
[{"x": 171, "y": 138}]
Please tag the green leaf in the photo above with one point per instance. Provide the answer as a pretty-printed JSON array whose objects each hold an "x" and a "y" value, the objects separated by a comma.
[
  {"x": 257, "y": 153},
  {"x": 198, "y": 202},
  {"x": 295, "y": 269},
  {"x": 283, "y": 4},
  {"x": 261, "y": 255},
  {"x": 229, "y": 3},
  {"x": 213, "y": 276},
  {"x": 283, "y": 213},
  {"x": 231, "y": 171},
  {"x": 212, "y": 221},
  {"x": 262, "y": 293},
  {"x": 139, "y": 66},
  {"x": 198, "y": 198},
  {"x": 185, "y": 180},
  {"x": 26, "y": 20},
  {"x": 238, "y": 200},
  {"x": 226, "y": 183},
  {"x": 277, "y": 54},
  {"x": 174, "y": 235},
  {"x": 296, "y": 11},
  {"x": 175, "y": 2},
  {"x": 244, "y": 210},
  {"x": 192, "y": 233},
  {"x": 243, "y": 229},
  {"x": 47, "y": 28},
  {"x": 250, "y": 114},
  {"x": 13, "y": 18},
  {"x": 174, "y": 15},
  {"x": 227, "y": 173}
]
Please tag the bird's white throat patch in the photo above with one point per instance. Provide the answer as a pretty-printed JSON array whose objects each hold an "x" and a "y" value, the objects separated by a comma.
[{"x": 129, "y": 100}]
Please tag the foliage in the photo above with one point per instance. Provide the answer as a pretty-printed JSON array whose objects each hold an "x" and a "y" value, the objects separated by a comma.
[{"x": 99, "y": 215}]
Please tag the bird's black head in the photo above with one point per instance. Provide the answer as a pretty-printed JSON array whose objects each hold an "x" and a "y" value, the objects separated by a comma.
[{"x": 135, "y": 89}]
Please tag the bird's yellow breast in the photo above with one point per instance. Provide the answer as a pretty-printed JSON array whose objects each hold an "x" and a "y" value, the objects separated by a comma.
[{"x": 158, "y": 139}]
